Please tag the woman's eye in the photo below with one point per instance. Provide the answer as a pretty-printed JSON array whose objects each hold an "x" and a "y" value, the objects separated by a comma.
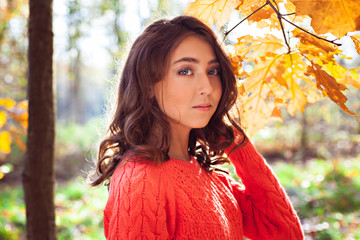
[
  {"x": 185, "y": 72},
  {"x": 214, "y": 71}
]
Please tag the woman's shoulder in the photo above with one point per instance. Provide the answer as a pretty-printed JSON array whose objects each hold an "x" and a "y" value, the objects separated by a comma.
[
  {"x": 138, "y": 179},
  {"x": 136, "y": 168}
]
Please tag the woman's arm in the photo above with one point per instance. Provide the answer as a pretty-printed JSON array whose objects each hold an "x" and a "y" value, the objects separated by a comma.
[{"x": 267, "y": 211}]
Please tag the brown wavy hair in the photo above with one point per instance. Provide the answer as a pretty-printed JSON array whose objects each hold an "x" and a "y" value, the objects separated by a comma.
[{"x": 138, "y": 112}]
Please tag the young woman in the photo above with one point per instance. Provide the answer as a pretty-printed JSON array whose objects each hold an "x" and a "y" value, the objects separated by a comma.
[{"x": 169, "y": 133}]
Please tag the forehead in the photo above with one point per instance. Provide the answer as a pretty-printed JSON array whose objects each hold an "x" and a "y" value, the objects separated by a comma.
[{"x": 193, "y": 47}]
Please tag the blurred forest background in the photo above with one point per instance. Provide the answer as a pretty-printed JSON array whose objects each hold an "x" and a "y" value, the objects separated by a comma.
[{"x": 316, "y": 154}]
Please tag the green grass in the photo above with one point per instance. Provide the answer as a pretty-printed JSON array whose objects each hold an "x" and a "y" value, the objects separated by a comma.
[
  {"x": 12, "y": 213},
  {"x": 326, "y": 195},
  {"x": 78, "y": 212}
]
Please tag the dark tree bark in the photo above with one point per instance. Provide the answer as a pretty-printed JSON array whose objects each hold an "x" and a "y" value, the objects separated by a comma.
[{"x": 38, "y": 175}]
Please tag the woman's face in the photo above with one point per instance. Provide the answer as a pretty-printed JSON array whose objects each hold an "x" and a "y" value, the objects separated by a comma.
[{"x": 191, "y": 89}]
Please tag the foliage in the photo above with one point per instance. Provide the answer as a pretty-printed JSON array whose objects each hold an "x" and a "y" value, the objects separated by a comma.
[
  {"x": 13, "y": 123},
  {"x": 81, "y": 136},
  {"x": 78, "y": 212},
  {"x": 13, "y": 126},
  {"x": 329, "y": 133},
  {"x": 12, "y": 213},
  {"x": 293, "y": 71},
  {"x": 326, "y": 195},
  {"x": 76, "y": 147},
  {"x": 13, "y": 48}
]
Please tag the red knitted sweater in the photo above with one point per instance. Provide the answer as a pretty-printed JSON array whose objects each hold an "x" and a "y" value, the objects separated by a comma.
[{"x": 180, "y": 200}]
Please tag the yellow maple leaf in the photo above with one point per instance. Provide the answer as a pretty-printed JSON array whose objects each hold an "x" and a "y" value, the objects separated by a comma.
[
  {"x": 256, "y": 117},
  {"x": 7, "y": 103},
  {"x": 291, "y": 88},
  {"x": 259, "y": 46},
  {"x": 2, "y": 118},
  {"x": 335, "y": 16},
  {"x": 343, "y": 75},
  {"x": 257, "y": 110},
  {"x": 356, "y": 39},
  {"x": 290, "y": 74},
  {"x": 246, "y": 7},
  {"x": 272, "y": 22},
  {"x": 210, "y": 11},
  {"x": 5, "y": 141},
  {"x": 329, "y": 87},
  {"x": 290, "y": 7}
]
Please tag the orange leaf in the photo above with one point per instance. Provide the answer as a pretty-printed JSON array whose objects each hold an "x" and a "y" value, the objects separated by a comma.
[
  {"x": 356, "y": 39},
  {"x": 276, "y": 113},
  {"x": 210, "y": 11},
  {"x": 318, "y": 49},
  {"x": 236, "y": 62},
  {"x": 335, "y": 16},
  {"x": 264, "y": 13},
  {"x": 5, "y": 141},
  {"x": 329, "y": 87}
]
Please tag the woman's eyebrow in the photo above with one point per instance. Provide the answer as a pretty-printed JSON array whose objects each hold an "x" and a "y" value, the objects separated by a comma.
[{"x": 194, "y": 60}]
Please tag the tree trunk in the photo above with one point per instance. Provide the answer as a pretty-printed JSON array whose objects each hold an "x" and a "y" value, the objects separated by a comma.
[{"x": 38, "y": 175}]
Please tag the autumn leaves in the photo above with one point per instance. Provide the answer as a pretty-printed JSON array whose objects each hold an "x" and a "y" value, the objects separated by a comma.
[
  {"x": 13, "y": 124},
  {"x": 294, "y": 70}
]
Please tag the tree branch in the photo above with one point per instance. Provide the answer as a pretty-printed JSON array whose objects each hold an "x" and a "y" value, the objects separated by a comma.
[
  {"x": 280, "y": 17},
  {"x": 314, "y": 35},
  {"x": 288, "y": 14},
  {"x": 228, "y": 32},
  {"x": 281, "y": 24}
]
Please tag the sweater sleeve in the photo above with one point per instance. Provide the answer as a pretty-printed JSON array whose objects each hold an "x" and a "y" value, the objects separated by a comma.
[
  {"x": 267, "y": 211},
  {"x": 137, "y": 206}
]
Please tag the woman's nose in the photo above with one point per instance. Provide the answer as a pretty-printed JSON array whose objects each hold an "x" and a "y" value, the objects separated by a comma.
[{"x": 205, "y": 85}]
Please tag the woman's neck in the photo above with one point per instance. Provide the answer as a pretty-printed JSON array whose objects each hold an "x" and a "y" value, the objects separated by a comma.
[{"x": 179, "y": 142}]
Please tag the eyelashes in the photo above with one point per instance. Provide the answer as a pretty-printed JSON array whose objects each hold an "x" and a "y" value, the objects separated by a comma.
[
  {"x": 186, "y": 72},
  {"x": 215, "y": 71}
]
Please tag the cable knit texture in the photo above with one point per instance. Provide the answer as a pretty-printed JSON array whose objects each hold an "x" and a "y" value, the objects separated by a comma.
[{"x": 180, "y": 200}]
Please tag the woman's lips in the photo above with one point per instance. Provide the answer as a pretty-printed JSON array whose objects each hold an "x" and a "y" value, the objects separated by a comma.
[{"x": 203, "y": 107}]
